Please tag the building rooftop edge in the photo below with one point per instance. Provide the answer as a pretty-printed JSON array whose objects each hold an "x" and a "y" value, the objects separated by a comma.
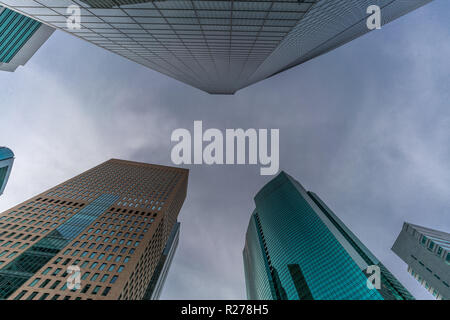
[{"x": 147, "y": 164}]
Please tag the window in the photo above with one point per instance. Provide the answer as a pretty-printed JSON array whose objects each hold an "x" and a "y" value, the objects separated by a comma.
[
  {"x": 31, "y": 296},
  {"x": 113, "y": 279},
  {"x": 12, "y": 254},
  {"x": 44, "y": 283},
  {"x": 55, "y": 284},
  {"x": 55, "y": 273},
  {"x": 44, "y": 296},
  {"x": 33, "y": 283},
  {"x": 96, "y": 290},
  {"x": 20, "y": 295},
  {"x": 86, "y": 288},
  {"x": 6, "y": 244},
  {"x": 94, "y": 277},
  {"x": 46, "y": 270},
  {"x": 106, "y": 291}
]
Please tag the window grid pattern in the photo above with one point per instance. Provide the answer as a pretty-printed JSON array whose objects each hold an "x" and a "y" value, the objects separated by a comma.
[
  {"x": 115, "y": 247},
  {"x": 212, "y": 45},
  {"x": 217, "y": 46}
]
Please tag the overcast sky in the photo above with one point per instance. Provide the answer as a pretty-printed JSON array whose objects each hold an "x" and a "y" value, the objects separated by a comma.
[{"x": 366, "y": 127}]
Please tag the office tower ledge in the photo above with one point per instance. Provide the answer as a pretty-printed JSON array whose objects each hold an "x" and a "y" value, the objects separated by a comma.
[{"x": 427, "y": 253}]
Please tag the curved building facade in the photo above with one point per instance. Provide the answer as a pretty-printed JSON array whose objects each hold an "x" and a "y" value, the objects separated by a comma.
[
  {"x": 6, "y": 162},
  {"x": 297, "y": 248}
]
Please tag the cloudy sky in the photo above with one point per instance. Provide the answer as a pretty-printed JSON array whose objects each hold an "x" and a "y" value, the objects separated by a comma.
[{"x": 366, "y": 127}]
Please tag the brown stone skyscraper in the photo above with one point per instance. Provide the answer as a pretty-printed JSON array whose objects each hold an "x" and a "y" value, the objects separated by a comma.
[{"x": 116, "y": 222}]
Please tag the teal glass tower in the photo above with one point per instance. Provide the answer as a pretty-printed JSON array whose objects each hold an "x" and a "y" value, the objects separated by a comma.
[
  {"x": 297, "y": 249},
  {"x": 20, "y": 38},
  {"x": 6, "y": 162}
]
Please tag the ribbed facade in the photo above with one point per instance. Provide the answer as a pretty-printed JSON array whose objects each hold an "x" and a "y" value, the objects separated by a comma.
[
  {"x": 15, "y": 31},
  {"x": 20, "y": 38},
  {"x": 296, "y": 248},
  {"x": 217, "y": 46},
  {"x": 112, "y": 221}
]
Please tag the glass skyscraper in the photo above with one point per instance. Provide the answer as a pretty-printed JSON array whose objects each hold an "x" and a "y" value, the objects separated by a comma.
[
  {"x": 116, "y": 222},
  {"x": 427, "y": 254},
  {"x": 6, "y": 162},
  {"x": 297, "y": 248},
  {"x": 216, "y": 46},
  {"x": 20, "y": 38}
]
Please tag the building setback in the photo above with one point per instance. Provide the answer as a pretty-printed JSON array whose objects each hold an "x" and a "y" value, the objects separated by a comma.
[
  {"x": 216, "y": 46},
  {"x": 6, "y": 162},
  {"x": 297, "y": 248},
  {"x": 427, "y": 254},
  {"x": 20, "y": 38},
  {"x": 114, "y": 221}
]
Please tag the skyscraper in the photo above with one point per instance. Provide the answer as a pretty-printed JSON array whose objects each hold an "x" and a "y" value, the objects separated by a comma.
[
  {"x": 20, "y": 38},
  {"x": 427, "y": 254},
  {"x": 114, "y": 222},
  {"x": 6, "y": 162},
  {"x": 216, "y": 46},
  {"x": 297, "y": 248}
]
